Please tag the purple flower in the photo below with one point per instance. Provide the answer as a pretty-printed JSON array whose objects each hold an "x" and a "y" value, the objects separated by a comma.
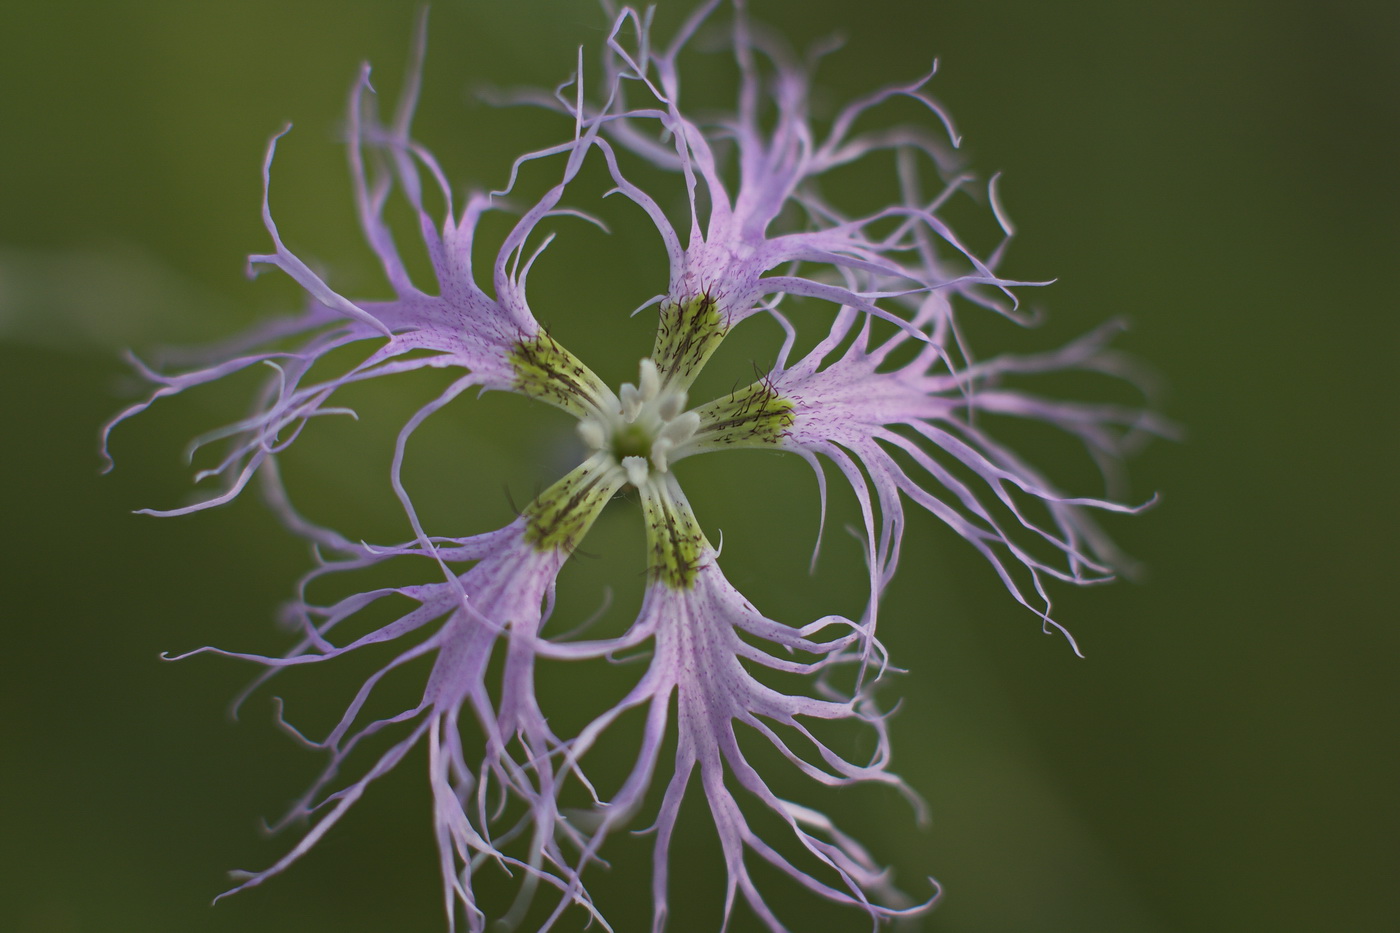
[{"x": 889, "y": 395}]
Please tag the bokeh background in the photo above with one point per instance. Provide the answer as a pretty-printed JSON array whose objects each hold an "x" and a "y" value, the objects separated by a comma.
[{"x": 1222, "y": 174}]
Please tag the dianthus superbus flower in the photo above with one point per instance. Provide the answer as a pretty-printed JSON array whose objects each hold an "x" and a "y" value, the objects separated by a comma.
[{"x": 888, "y": 395}]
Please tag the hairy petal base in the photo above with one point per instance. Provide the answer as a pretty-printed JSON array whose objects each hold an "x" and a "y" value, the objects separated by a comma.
[{"x": 706, "y": 637}]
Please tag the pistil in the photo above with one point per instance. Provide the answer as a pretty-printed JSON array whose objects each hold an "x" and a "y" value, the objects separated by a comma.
[{"x": 649, "y": 425}]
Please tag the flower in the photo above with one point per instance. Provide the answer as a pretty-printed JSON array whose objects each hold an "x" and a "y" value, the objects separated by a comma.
[{"x": 889, "y": 395}]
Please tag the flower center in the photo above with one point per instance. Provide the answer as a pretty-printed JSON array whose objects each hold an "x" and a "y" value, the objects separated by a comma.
[{"x": 646, "y": 429}]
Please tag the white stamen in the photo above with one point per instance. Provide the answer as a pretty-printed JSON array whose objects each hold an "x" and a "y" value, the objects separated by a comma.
[
  {"x": 672, "y": 404},
  {"x": 632, "y": 402},
  {"x": 650, "y": 380},
  {"x": 637, "y": 470},
  {"x": 659, "y": 449},
  {"x": 681, "y": 428},
  {"x": 592, "y": 433}
]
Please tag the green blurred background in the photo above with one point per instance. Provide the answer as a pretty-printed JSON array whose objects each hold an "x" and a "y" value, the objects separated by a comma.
[{"x": 1222, "y": 174}]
